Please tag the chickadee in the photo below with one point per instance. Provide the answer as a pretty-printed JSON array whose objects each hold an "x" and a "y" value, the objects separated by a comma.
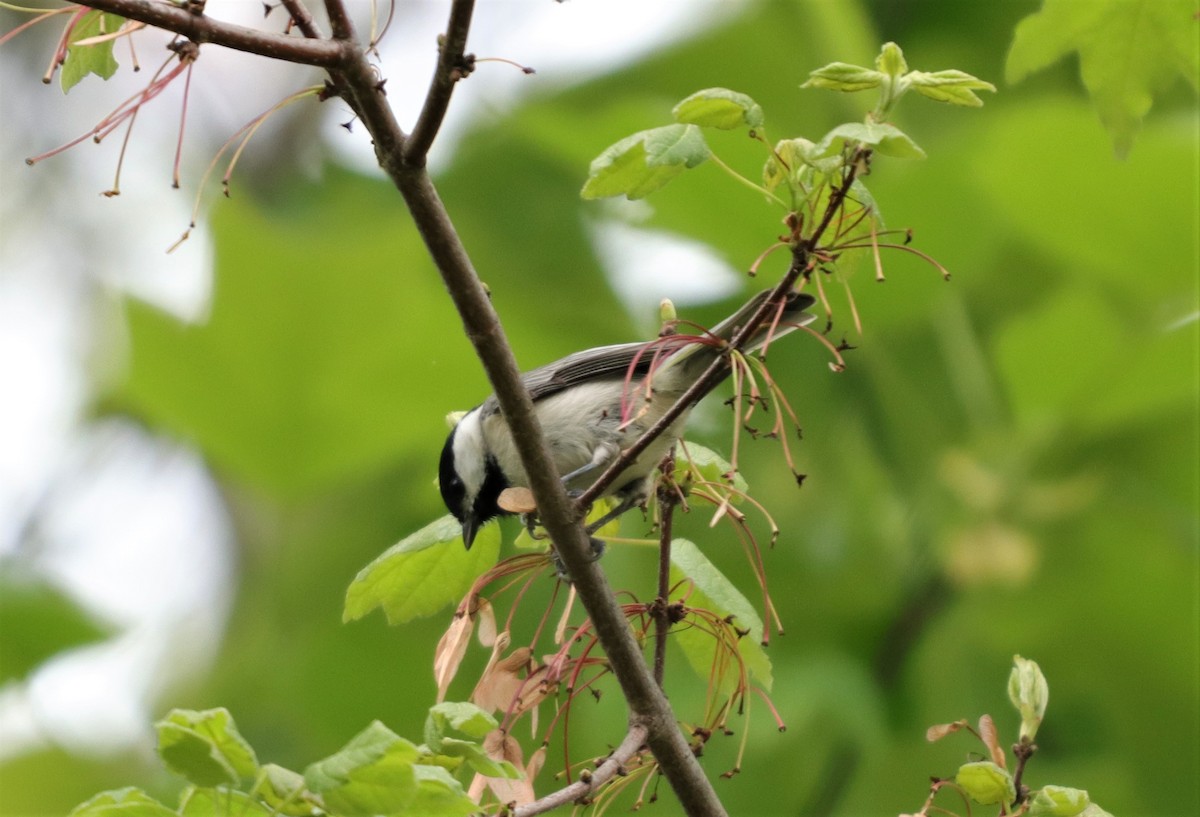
[{"x": 579, "y": 402}]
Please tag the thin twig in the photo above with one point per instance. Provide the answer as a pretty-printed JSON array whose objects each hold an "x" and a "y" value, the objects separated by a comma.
[
  {"x": 450, "y": 69},
  {"x": 339, "y": 20},
  {"x": 612, "y": 766},
  {"x": 202, "y": 29},
  {"x": 302, "y": 18},
  {"x": 668, "y": 498},
  {"x": 1023, "y": 751}
]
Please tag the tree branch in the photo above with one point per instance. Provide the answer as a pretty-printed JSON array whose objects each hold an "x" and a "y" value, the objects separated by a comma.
[
  {"x": 613, "y": 765},
  {"x": 201, "y": 29}
]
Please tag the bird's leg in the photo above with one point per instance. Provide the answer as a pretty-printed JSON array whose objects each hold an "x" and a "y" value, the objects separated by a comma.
[
  {"x": 560, "y": 569},
  {"x": 530, "y": 520},
  {"x": 601, "y": 457}
]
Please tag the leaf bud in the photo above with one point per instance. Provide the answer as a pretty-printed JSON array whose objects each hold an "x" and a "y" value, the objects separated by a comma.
[{"x": 1029, "y": 692}]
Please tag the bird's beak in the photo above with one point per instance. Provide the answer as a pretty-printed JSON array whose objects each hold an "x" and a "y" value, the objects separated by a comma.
[{"x": 470, "y": 527}]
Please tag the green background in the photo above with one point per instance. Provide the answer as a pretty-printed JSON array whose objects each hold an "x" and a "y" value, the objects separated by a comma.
[{"x": 1009, "y": 464}]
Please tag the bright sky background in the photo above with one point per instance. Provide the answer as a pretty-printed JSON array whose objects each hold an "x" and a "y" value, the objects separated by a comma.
[{"x": 133, "y": 525}]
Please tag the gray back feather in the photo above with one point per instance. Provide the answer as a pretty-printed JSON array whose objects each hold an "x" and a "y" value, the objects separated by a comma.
[{"x": 605, "y": 362}]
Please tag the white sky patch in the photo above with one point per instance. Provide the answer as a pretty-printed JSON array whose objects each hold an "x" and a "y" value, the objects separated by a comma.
[{"x": 644, "y": 266}]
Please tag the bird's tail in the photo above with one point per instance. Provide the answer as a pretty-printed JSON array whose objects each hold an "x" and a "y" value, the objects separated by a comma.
[
  {"x": 680, "y": 367},
  {"x": 778, "y": 322}
]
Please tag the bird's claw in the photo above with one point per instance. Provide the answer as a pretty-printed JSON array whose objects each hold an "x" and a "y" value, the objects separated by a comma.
[{"x": 560, "y": 569}]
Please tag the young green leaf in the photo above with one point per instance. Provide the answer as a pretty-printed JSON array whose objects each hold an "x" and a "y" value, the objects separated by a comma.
[
  {"x": 1029, "y": 693},
  {"x": 719, "y": 108},
  {"x": 478, "y": 759},
  {"x": 439, "y": 794},
  {"x": 462, "y": 717},
  {"x": 954, "y": 87},
  {"x": 284, "y": 791},
  {"x": 372, "y": 774},
  {"x": 205, "y": 747},
  {"x": 642, "y": 163},
  {"x": 891, "y": 61},
  {"x": 90, "y": 59},
  {"x": 422, "y": 573},
  {"x": 465, "y": 719},
  {"x": 842, "y": 76},
  {"x": 1129, "y": 51},
  {"x": 127, "y": 802},
  {"x": 716, "y": 593},
  {"x": 886, "y": 139},
  {"x": 1058, "y": 801},
  {"x": 222, "y": 803},
  {"x": 1093, "y": 810},
  {"x": 986, "y": 783}
]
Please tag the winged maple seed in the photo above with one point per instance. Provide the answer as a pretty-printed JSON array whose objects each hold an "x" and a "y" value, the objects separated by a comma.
[
  {"x": 453, "y": 644},
  {"x": 500, "y": 682},
  {"x": 499, "y": 745}
]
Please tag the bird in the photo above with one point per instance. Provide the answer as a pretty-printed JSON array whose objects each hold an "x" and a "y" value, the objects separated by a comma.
[{"x": 591, "y": 405}]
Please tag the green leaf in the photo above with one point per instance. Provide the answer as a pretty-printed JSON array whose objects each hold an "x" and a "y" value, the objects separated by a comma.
[
  {"x": 719, "y": 108},
  {"x": 842, "y": 76},
  {"x": 422, "y": 573},
  {"x": 465, "y": 718},
  {"x": 38, "y": 620},
  {"x": 127, "y": 802},
  {"x": 478, "y": 759},
  {"x": 373, "y": 774},
  {"x": 986, "y": 783},
  {"x": 222, "y": 803},
  {"x": 90, "y": 59},
  {"x": 886, "y": 139},
  {"x": 642, "y": 163},
  {"x": 284, "y": 791},
  {"x": 205, "y": 747},
  {"x": 716, "y": 593},
  {"x": 1129, "y": 51},
  {"x": 955, "y": 87},
  {"x": 1058, "y": 801},
  {"x": 439, "y": 794}
]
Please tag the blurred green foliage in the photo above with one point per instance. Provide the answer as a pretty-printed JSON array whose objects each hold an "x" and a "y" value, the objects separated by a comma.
[{"x": 1009, "y": 464}]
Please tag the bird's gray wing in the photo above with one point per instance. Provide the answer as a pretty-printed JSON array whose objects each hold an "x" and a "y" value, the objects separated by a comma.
[{"x": 591, "y": 364}]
